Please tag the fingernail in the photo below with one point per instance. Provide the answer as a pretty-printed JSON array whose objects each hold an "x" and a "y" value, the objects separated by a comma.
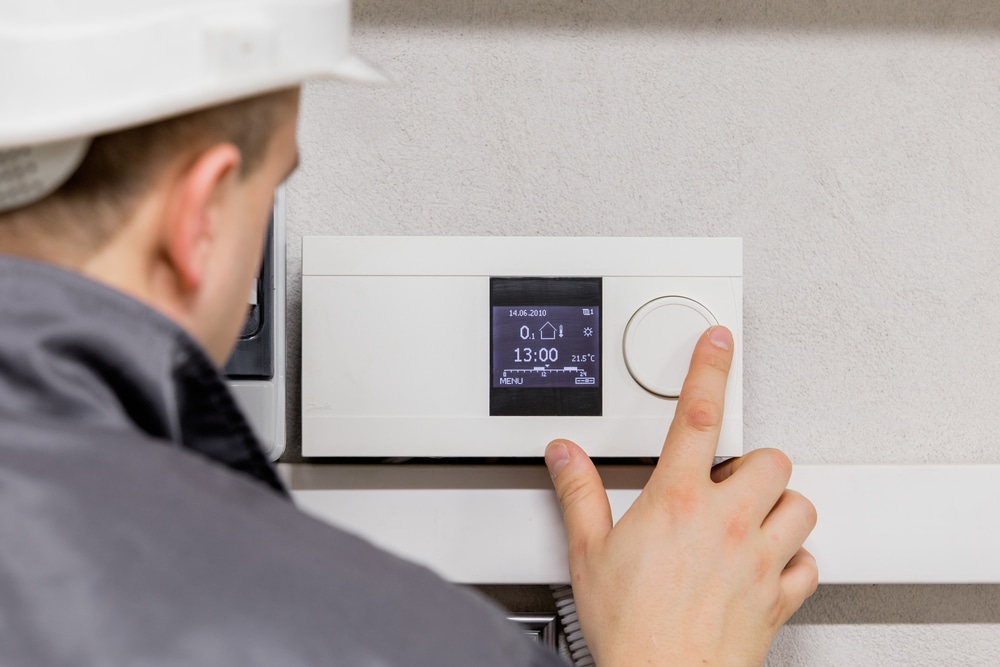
[
  {"x": 721, "y": 337},
  {"x": 556, "y": 458}
]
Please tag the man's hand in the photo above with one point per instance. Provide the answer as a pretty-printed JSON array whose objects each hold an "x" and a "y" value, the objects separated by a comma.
[{"x": 707, "y": 564}]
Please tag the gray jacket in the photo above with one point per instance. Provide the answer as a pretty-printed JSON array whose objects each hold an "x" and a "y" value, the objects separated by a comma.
[{"x": 140, "y": 523}]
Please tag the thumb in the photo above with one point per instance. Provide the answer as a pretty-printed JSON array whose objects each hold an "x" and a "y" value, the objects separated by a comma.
[{"x": 585, "y": 506}]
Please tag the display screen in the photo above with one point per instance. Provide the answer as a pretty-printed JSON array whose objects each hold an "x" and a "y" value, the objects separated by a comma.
[{"x": 545, "y": 346}]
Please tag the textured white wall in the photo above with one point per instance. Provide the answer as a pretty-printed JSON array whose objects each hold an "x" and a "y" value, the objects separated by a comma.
[{"x": 855, "y": 148}]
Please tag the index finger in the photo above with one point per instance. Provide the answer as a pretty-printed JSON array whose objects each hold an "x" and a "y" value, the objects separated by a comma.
[{"x": 694, "y": 433}]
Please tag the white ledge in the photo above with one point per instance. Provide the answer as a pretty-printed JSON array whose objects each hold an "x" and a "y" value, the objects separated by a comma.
[{"x": 501, "y": 524}]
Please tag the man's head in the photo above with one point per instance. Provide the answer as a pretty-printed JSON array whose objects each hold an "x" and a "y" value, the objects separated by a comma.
[
  {"x": 187, "y": 140},
  {"x": 173, "y": 213}
]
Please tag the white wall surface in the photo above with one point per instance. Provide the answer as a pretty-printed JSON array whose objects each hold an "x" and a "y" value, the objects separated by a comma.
[{"x": 856, "y": 149}]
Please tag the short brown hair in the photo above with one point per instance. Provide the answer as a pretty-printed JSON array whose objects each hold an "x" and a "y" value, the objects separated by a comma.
[{"x": 120, "y": 166}]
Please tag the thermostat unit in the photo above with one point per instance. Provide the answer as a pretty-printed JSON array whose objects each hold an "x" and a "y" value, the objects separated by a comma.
[
  {"x": 256, "y": 369},
  {"x": 494, "y": 346}
]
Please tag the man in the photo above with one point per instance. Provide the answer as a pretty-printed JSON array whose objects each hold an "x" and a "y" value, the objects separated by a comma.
[{"x": 140, "y": 523}]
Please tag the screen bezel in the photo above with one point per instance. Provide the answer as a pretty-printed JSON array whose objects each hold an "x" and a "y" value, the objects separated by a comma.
[{"x": 581, "y": 401}]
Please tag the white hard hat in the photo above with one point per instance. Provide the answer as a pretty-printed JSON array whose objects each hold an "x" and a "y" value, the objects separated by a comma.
[{"x": 73, "y": 69}]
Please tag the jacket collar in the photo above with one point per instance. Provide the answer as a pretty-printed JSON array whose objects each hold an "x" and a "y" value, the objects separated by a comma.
[{"x": 73, "y": 351}]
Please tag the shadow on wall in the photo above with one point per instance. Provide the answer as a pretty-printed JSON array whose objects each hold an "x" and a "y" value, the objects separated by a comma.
[
  {"x": 901, "y": 604},
  {"x": 833, "y": 605},
  {"x": 981, "y": 16}
]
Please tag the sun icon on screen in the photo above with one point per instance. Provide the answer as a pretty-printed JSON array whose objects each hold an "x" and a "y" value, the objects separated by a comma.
[{"x": 588, "y": 331}]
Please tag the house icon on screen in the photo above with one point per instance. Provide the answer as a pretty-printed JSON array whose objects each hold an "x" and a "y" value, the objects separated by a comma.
[{"x": 547, "y": 332}]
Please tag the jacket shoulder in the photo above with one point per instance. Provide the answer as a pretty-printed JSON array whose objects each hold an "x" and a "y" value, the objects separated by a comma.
[{"x": 128, "y": 550}]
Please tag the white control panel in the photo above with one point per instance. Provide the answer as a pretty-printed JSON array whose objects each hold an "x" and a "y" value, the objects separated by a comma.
[
  {"x": 256, "y": 370},
  {"x": 493, "y": 346}
]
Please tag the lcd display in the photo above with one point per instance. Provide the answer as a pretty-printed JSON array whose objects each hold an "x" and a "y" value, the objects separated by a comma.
[{"x": 545, "y": 346}]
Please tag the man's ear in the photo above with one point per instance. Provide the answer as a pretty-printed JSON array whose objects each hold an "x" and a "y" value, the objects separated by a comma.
[{"x": 202, "y": 188}]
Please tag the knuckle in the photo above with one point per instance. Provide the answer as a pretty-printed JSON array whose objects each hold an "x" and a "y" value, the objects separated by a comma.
[
  {"x": 802, "y": 516},
  {"x": 577, "y": 550},
  {"x": 808, "y": 510},
  {"x": 684, "y": 500},
  {"x": 808, "y": 572},
  {"x": 813, "y": 579},
  {"x": 739, "y": 524},
  {"x": 764, "y": 566},
  {"x": 702, "y": 414},
  {"x": 717, "y": 360},
  {"x": 573, "y": 492},
  {"x": 779, "y": 461},
  {"x": 736, "y": 530},
  {"x": 573, "y": 495}
]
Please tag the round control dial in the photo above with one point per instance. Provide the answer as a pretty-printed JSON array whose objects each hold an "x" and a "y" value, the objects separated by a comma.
[{"x": 659, "y": 340}]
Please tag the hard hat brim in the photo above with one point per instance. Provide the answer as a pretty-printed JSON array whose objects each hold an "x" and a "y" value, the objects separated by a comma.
[{"x": 96, "y": 77}]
